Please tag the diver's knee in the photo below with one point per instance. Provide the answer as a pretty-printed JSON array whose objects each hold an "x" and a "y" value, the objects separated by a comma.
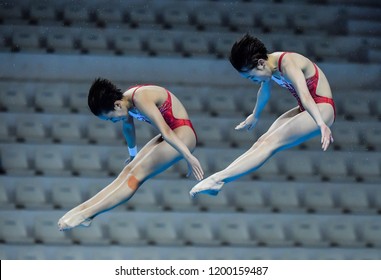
[
  {"x": 125, "y": 171},
  {"x": 258, "y": 142},
  {"x": 270, "y": 144},
  {"x": 133, "y": 182}
]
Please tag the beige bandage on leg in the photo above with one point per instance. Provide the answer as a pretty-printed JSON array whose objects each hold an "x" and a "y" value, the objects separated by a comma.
[{"x": 133, "y": 183}]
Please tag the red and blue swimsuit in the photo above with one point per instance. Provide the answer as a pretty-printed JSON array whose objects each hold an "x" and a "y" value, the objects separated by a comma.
[
  {"x": 312, "y": 83},
  {"x": 165, "y": 110}
]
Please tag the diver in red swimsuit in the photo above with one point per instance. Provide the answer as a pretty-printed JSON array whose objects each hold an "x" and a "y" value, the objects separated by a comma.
[
  {"x": 176, "y": 141},
  {"x": 312, "y": 83},
  {"x": 165, "y": 110},
  {"x": 314, "y": 114}
]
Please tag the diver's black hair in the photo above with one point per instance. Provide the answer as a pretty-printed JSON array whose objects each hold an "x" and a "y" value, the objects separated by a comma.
[
  {"x": 102, "y": 96},
  {"x": 246, "y": 52}
]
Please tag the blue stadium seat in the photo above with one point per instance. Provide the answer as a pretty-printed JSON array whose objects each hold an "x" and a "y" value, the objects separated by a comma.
[
  {"x": 31, "y": 196},
  {"x": 11, "y": 13},
  {"x": 341, "y": 232},
  {"x": 65, "y": 196},
  {"x": 162, "y": 231},
  {"x": 141, "y": 16},
  {"x": 128, "y": 44},
  {"x": 175, "y": 16},
  {"x": 94, "y": 42},
  {"x": 241, "y": 20},
  {"x": 159, "y": 45},
  {"x": 207, "y": 18},
  {"x": 46, "y": 231},
  {"x": 26, "y": 41},
  {"x": 319, "y": 199},
  {"x": 248, "y": 197},
  {"x": 50, "y": 161},
  {"x": 87, "y": 162},
  {"x": 65, "y": 130},
  {"x": 60, "y": 41},
  {"x": 371, "y": 233},
  {"x": 76, "y": 14},
  {"x": 124, "y": 231},
  {"x": 346, "y": 136},
  {"x": 299, "y": 167},
  {"x": 101, "y": 132},
  {"x": 109, "y": 16},
  {"x": 234, "y": 233},
  {"x": 367, "y": 169},
  {"x": 15, "y": 160},
  {"x": 284, "y": 198},
  {"x": 198, "y": 232},
  {"x": 197, "y": 46},
  {"x": 14, "y": 231},
  {"x": 307, "y": 233},
  {"x": 15, "y": 97},
  {"x": 269, "y": 233},
  {"x": 30, "y": 129},
  {"x": 42, "y": 13},
  {"x": 209, "y": 133},
  {"x": 372, "y": 137},
  {"x": 90, "y": 236},
  {"x": 354, "y": 200},
  {"x": 333, "y": 167},
  {"x": 51, "y": 98},
  {"x": 175, "y": 195}
]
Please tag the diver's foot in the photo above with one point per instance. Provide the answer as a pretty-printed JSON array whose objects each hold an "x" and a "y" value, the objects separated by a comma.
[
  {"x": 67, "y": 223},
  {"x": 208, "y": 186}
]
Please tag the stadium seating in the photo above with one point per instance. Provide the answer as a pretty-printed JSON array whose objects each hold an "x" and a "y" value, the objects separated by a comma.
[{"x": 55, "y": 154}]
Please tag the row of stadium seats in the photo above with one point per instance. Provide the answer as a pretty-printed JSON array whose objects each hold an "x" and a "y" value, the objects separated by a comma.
[
  {"x": 118, "y": 252},
  {"x": 212, "y": 132},
  {"x": 210, "y": 229},
  {"x": 148, "y": 42},
  {"x": 31, "y": 193},
  {"x": 198, "y": 15},
  {"x": 100, "y": 160},
  {"x": 302, "y": 204},
  {"x": 209, "y": 100}
]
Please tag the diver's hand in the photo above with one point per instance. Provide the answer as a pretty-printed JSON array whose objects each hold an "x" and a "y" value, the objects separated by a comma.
[
  {"x": 326, "y": 137},
  {"x": 194, "y": 167},
  {"x": 247, "y": 124}
]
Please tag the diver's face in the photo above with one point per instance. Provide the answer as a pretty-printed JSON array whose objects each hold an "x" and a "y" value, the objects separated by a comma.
[
  {"x": 258, "y": 74},
  {"x": 113, "y": 119},
  {"x": 111, "y": 116},
  {"x": 118, "y": 114}
]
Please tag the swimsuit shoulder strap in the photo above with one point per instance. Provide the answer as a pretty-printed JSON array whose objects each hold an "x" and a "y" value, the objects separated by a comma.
[
  {"x": 169, "y": 95},
  {"x": 133, "y": 93},
  {"x": 139, "y": 86},
  {"x": 280, "y": 64},
  {"x": 316, "y": 71},
  {"x": 168, "y": 102},
  {"x": 280, "y": 61}
]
